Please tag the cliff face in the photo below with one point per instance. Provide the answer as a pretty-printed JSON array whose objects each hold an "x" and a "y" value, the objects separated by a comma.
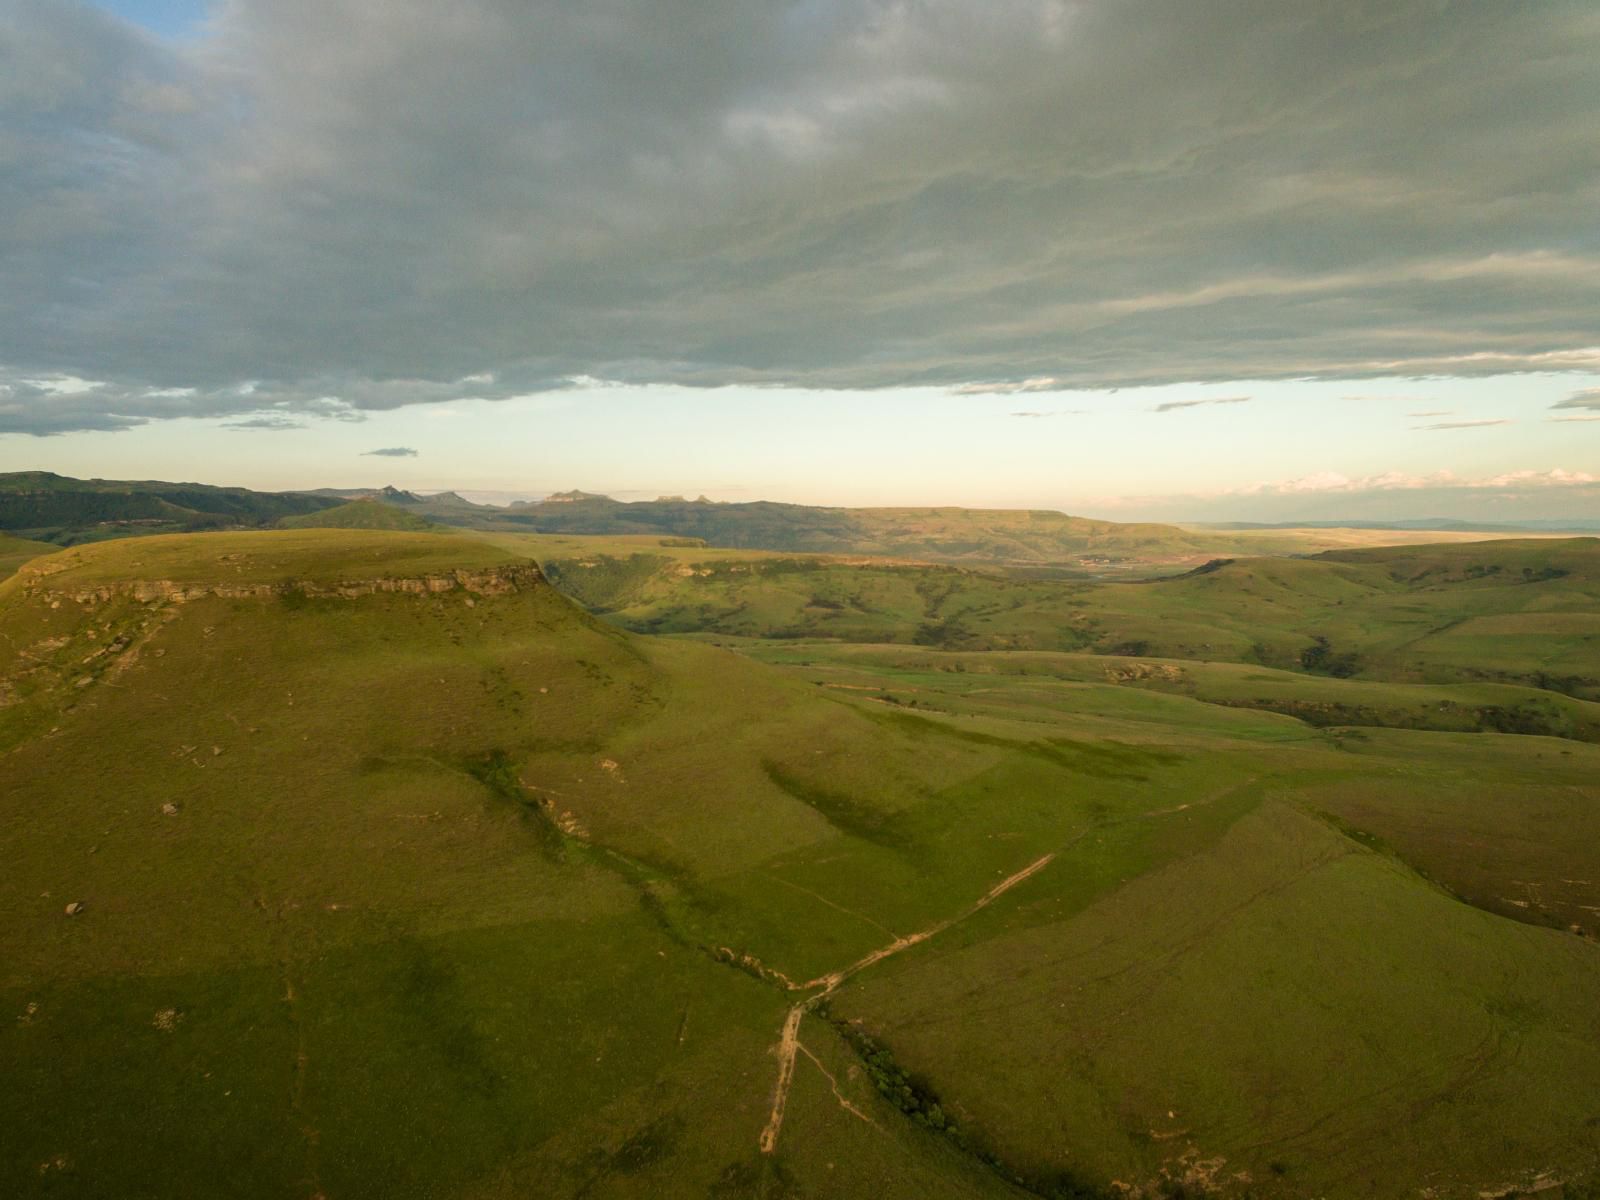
[
  {"x": 499, "y": 581},
  {"x": 60, "y": 634}
]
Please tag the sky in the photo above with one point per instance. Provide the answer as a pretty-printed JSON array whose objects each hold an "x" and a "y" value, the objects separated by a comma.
[{"x": 1143, "y": 259}]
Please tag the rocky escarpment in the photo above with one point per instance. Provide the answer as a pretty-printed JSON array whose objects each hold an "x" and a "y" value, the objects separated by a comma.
[
  {"x": 493, "y": 581},
  {"x": 105, "y": 628}
]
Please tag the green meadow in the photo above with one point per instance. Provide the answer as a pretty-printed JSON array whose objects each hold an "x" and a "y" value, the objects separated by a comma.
[
  {"x": 1515, "y": 612},
  {"x": 394, "y": 870},
  {"x": 360, "y": 514},
  {"x": 15, "y": 551}
]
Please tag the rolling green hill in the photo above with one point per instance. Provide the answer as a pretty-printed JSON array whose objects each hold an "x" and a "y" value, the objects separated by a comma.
[
  {"x": 15, "y": 551},
  {"x": 57, "y": 509},
  {"x": 360, "y": 514},
  {"x": 364, "y": 863},
  {"x": 1522, "y": 612}
]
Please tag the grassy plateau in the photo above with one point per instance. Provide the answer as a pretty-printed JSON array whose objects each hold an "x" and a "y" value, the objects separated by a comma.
[{"x": 364, "y": 862}]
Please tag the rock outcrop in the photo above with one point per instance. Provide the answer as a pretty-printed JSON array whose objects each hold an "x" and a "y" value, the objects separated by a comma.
[{"x": 495, "y": 581}]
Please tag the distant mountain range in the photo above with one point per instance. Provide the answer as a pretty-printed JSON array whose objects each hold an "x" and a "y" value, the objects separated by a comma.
[
  {"x": 1018, "y": 536},
  {"x": 64, "y": 511},
  {"x": 59, "y": 509}
]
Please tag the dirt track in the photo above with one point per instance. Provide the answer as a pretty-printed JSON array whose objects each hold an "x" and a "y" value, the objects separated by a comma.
[{"x": 789, "y": 1047}]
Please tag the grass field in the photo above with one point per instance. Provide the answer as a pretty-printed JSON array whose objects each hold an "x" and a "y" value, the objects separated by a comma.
[
  {"x": 1516, "y": 612},
  {"x": 15, "y": 551},
  {"x": 458, "y": 890},
  {"x": 361, "y": 514},
  {"x": 286, "y": 558}
]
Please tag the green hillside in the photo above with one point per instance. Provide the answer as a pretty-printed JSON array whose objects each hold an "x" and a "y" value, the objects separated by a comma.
[
  {"x": 65, "y": 511},
  {"x": 1524, "y": 612},
  {"x": 360, "y": 514},
  {"x": 394, "y": 873},
  {"x": 15, "y": 551}
]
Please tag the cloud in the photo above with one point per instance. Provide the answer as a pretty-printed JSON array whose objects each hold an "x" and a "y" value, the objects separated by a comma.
[
  {"x": 1591, "y": 417},
  {"x": 391, "y": 452},
  {"x": 1044, "y": 384},
  {"x": 1559, "y": 497},
  {"x": 1462, "y": 424},
  {"x": 1397, "y": 481},
  {"x": 266, "y": 422},
  {"x": 1589, "y": 398},
  {"x": 1432, "y": 412},
  {"x": 385, "y": 201},
  {"x": 1174, "y": 405},
  {"x": 63, "y": 404},
  {"x": 1555, "y": 477},
  {"x": 1054, "y": 412}
]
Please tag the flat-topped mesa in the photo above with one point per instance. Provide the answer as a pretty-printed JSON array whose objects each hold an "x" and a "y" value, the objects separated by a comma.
[
  {"x": 488, "y": 581},
  {"x": 342, "y": 563}
]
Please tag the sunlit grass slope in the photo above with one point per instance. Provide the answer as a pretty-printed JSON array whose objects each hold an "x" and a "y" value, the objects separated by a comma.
[
  {"x": 1516, "y": 612},
  {"x": 360, "y": 514},
  {"x": 1511, "y": 824},
  {"x": 439, "y": 889},
  {"x": 397, "y": 874},
  {"x": 1318, "y": 700},
  {"x": 1285, "y": 1013}
]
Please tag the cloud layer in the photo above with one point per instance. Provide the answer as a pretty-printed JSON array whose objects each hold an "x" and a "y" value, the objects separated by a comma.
[
  {"x": 1588, "y": 400},
  {"x": 333, "y": 206}
]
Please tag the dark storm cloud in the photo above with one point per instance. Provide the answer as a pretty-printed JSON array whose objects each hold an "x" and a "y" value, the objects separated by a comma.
[
  {"x": 372, "y": 203},
  {"x": 391, "y": 452}
]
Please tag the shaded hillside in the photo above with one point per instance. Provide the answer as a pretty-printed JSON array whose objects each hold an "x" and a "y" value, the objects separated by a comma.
[
  {"x": 305, "y": 821},
  {"x": 15, "y": 551},
  {"x": 54, "y": 508}
]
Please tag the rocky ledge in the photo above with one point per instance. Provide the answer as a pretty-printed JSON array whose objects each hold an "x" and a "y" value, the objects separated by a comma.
[{"x": 494, "y": 581}]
